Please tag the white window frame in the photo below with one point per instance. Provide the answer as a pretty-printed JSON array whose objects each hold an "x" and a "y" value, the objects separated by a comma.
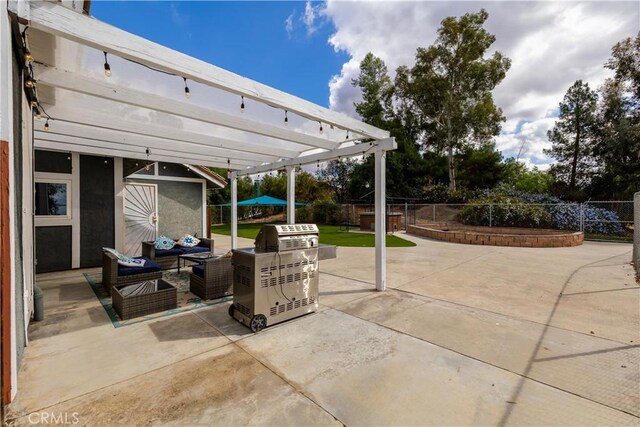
[{"x": 55, "y": 178}]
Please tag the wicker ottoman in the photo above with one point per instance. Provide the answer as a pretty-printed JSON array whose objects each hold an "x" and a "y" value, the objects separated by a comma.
[
  {"x": 140, "y": 299},
  {"x": 212, "y": 279}
]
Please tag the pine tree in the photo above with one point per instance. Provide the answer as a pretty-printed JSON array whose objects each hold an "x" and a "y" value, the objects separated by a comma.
[{"x": 572, "y": 137}]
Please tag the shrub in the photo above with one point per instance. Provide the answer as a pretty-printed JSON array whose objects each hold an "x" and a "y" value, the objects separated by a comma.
[
  {"x": 326, "y": 212},
  {"x": 441, "y": 193},
  {"x": 561, "y": 215},
  {"x": 304, "y": 214},
  {"x": 504, "y": 212}
]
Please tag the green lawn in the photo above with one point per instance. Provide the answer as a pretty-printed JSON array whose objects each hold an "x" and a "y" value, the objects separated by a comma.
[{"x": 329, "y": 234}]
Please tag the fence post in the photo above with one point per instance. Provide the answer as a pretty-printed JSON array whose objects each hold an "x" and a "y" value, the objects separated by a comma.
[
  {"x": 406, "y": 214},
  {"x": 490, "y": 215},
  {"x": 582, "y": 217},
  {"x": 434, "y": 212}
]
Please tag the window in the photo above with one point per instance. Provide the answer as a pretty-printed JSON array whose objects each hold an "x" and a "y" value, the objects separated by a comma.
[{"x": 52, "y": 198}]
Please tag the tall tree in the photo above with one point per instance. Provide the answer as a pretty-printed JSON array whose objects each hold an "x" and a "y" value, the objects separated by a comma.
[
  {"x": 406, "y": 169},
  {"x": 336, "y": 175},
  {"x": 572, "y": 136},
  {"x": 449, "y": 87},
  {"x": 617, "y": 148}
]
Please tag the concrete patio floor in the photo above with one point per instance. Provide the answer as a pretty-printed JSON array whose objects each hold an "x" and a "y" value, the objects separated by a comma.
[{"x": 465, "y": 335}]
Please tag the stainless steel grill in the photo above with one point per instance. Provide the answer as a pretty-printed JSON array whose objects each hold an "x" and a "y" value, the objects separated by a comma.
[{"x": 277, "y": 279}]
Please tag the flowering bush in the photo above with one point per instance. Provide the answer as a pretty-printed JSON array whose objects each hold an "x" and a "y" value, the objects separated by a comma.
[
  {"x": 504, "y": 211},
  {"x": 561, "y": 215}
]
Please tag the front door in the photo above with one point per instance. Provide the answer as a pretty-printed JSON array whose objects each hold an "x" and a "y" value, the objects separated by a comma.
[{"x": 140, "y": 216}]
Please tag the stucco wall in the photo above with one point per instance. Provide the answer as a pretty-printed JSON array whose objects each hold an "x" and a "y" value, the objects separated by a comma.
[
  {"x": 179, "y": 207},
  {"x": 636, "y": 231}
]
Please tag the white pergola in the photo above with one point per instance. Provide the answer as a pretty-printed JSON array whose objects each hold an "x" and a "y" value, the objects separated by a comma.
[{"x": 99, "y": 115}]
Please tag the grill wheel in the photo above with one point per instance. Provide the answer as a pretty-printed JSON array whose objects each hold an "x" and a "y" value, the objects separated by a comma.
[{"x": 258, "y": 323}]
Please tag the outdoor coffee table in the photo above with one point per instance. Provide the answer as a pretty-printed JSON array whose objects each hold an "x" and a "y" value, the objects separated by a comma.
[
  {"x": 197, "y": 258},
  {"x": 140, "y": 299}
]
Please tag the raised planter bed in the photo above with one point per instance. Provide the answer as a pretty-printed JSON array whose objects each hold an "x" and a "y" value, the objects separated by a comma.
[{"x": 499, "y": 236}]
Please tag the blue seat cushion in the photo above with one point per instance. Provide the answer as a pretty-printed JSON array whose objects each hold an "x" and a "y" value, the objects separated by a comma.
[
  {"x": 168, "y": 252},
  {"x": 198, "y": 270},
  {"x": 149, "y": 267},
  {"x": 195, "y": 250}
]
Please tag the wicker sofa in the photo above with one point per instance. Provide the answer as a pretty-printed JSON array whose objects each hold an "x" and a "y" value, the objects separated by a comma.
[
  {"x": 168, "y": 258},
  {"x": 114, "y": 274},
  {"x": 212, "y": 279}
]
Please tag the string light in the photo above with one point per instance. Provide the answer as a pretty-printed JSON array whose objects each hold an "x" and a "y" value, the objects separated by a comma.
[
  {"x": 286, "y": 119},
  {"x": 107, "y": 67},
  {"x": 187, "y": 92},
  {"x": 347, "y": 135},
  {"x": 228, "y": 168},
  {"x": 46, "y": 125},
  {"x": 147, "y": 167},
  {"x": 28, "y": 58},
  {"x": 242, "y": 105},
  {"x": 34, "y": 103},
  {"x": 36, "y": 111},
  {"x": 320, "y": 128},
  {"x": 29, "y": 82},
  {"x": 318, "y": 164},
  {"x": 27, "y": 55}
]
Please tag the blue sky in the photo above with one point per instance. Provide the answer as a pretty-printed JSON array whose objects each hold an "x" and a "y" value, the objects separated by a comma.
[{"x": 247, "y": 38}]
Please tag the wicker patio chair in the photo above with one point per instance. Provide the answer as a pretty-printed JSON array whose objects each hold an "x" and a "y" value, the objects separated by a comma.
[
  {"x": 111, "y": 272},
  {"x": 212, "y": 279}
]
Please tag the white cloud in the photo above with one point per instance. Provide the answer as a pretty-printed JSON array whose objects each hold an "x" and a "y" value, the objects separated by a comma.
[
  {"x": 551, "y": 44},
  {"x": 312, "y": 17},
  {"x": 288, "y": 23}
]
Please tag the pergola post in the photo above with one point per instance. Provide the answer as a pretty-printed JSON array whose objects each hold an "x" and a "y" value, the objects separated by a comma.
[
  {"x": 380, "y": 219},
  {"x": 234, "y": 210},
  {"x": 291, "y": 194}
]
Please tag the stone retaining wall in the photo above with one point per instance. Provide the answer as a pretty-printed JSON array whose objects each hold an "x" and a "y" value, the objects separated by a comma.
[{"x": 499, "y": 236}]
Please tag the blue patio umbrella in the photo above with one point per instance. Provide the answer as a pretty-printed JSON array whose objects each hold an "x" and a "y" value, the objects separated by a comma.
[{"x": 263, "y": 201}]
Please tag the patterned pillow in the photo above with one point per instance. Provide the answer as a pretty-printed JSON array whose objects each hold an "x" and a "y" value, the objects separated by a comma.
[
  {"x": 125, "y": 260},
  {"x": 188, "y": 241},
  {"x": 116, "y": 253},
  {"x": 163, "y": 242},
  {"x": 132, "y": 262}
]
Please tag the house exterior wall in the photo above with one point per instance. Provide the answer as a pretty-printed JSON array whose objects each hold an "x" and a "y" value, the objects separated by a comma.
[{"x": 180, "y": 207}]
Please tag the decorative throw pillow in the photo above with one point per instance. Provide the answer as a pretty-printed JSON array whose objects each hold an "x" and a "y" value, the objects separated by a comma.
[
  {"x": 132, "y": 262},
  {"x": 125, "y": 260},
  {"x": 163, "y": 242},
  {"x": 188, "y": 241}
]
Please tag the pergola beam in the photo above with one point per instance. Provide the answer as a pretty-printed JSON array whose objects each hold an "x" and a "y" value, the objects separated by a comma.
[
  {"x": 71, "y": 130},
  {"x": 100, "y": 88},
  {"x": 106, "y": 120},
  {"x": 387, "y": 144},
  {"x": 57, "y": 20},
  {"x": 112, "y": 152}
]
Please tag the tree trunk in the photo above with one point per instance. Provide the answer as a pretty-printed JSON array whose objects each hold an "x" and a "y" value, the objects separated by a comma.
[
  {"x": 576, "y": 151},
  {"x": 452, "y": 171}
]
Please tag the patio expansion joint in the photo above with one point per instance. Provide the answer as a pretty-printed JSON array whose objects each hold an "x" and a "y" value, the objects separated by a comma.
[
  {"x": 521, "y": 376},
  {"x": 283, "y": 378}
]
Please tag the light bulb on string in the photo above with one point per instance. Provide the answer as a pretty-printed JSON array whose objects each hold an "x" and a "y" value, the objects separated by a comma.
[
  {"x": 286, "y": 119},
  {"x": 347, "y": 135},
  {"x": 28, "y": 58},
  {"x": 46, "y": 125},
  {"x": 34, "y": 103},
  {"x": 107, "y": 67},
  {"x": 29, "y": 83},
  {"x": 147, "y": 167},
  {"x": 187, "y": 92},
  {"x": 320, "y": 128},
  {"x": 36, "y": 112},
  {"x": 242, "y": 105},
  {"x": 228, "y": 168}
]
